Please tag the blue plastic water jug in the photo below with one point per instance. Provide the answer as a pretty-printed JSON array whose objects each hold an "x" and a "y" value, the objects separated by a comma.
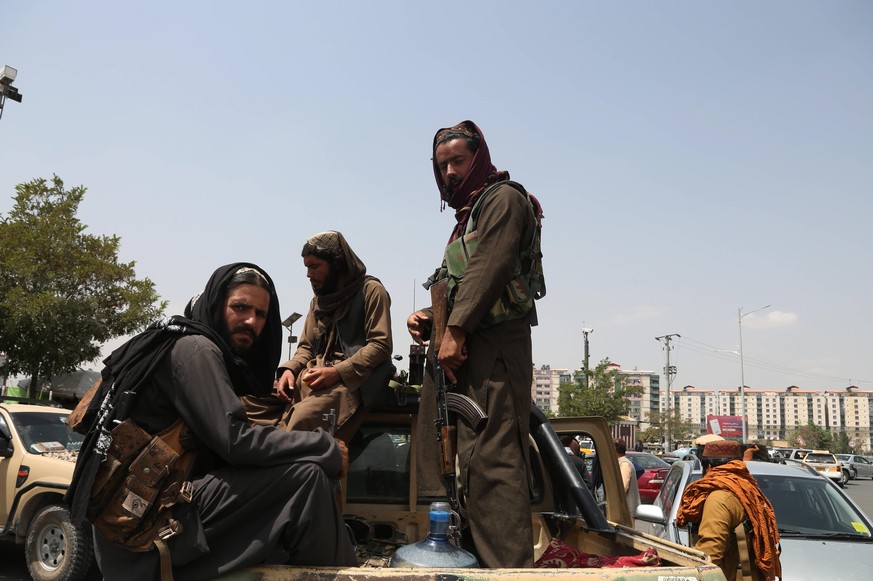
[{"x": 435, "y": 550}]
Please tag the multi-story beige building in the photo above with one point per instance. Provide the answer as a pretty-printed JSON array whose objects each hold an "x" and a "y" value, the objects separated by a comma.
[
  {"x": 773, "y": 414},
  {"x": 547, "y": 381},
  {"x": 545, "y": 388},
  {"x": 639, "y": 406}
]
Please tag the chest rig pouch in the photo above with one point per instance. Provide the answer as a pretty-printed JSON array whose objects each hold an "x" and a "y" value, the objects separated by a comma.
[
  {"x": 528, "y": 282},
  {"x": 141, "y": 479}
]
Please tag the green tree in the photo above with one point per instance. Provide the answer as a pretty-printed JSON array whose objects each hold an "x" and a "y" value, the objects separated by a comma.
[
  {"x": 841, "y": 443},
  {"x": 606, "y": 394},
  {"x": 813, "y": 436},
  {"x": 680, "y": 429},
  {"x": 63, "y": 293}
]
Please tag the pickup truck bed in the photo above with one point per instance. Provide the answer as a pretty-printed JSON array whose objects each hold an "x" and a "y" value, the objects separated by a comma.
[{"x": 380, "y": 489}]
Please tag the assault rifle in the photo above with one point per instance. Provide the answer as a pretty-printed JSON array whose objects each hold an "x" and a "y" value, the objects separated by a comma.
[
  {"x": 449, "y": 404},
  {"x": 337, "y": 485}
]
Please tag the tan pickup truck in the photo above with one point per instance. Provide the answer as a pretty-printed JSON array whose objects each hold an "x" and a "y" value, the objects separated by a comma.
[
  {"x": 37, "y": 455},
  {"x": 379, "y": 493}
]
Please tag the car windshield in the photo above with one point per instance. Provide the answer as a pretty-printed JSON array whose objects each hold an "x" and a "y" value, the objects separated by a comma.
[
  {"x": 843, "y": 456},
  {"x": 822, "y": 458},
  {"x": 647, "y": 461},
  {"x": 811, "y": 507},
  {"x": 44, "y": 432}
]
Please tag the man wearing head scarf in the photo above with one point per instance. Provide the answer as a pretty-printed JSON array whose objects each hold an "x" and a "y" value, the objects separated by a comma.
[
  {"x": 726, "y": 496},
  {"x": 258, "y": 493},
  {"x": 493, "y": 268},
  {"x": 343, "y": 359}
]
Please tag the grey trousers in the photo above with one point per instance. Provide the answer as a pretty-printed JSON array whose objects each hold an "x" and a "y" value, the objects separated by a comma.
[{"x": 245, "y": 516}]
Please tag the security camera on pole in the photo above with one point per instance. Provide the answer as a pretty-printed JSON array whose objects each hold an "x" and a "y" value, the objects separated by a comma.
[
  {"x": 7, "y": 76},
  {"x": 585, "y": 332}
]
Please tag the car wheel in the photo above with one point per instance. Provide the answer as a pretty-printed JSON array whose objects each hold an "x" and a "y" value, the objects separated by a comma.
[
  {"x": 56, "y": 549},
  {"x": 844, "y": 479}
]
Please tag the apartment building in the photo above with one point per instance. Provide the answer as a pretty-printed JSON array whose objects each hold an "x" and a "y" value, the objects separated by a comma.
[
  {"x": 547, "y": 381},
  {"x": 544, "y": 389},
  {"x": 773, "y": 414},
  {"x": 650, "y": 399}
]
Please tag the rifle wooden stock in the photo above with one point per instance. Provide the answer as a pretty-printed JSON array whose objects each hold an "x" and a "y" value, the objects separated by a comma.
[
  {"x": 448, "y": 449},
  {"x": 440, "y": 305}
]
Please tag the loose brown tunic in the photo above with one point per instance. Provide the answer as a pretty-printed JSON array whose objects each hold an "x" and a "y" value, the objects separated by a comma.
[
  {"x": 308, "y": 413},
  {"x": 722, "y": 513},
  {"x": 497, "y": 375}
]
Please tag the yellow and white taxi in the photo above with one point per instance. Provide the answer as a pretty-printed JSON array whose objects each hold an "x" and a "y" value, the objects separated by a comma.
[{"x": 827, "y": 464}]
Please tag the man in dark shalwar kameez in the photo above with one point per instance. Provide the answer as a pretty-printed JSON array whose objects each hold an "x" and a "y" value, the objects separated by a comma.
[
  {"x": 260, "y": 494},
  {"x": 486, "y": 347}
]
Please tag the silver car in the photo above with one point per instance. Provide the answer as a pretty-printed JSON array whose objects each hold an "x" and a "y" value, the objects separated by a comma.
[
  {"x": 819, "y": 525},
  {"x": 859, "y": 466}
]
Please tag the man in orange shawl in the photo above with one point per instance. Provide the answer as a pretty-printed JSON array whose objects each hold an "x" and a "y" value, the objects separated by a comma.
[{"x": 721, "y": 500}]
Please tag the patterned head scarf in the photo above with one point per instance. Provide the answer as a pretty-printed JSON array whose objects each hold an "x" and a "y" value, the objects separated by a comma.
[
  {"x": 482, "y": 173},
  {"x": 334, "y": 244}
]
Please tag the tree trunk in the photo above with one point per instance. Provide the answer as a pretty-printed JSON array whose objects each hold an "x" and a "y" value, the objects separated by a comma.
[{"x": 33, "y": 388}]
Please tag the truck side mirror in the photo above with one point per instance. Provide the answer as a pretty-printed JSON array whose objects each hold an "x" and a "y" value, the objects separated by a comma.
[{"x": 651, "y": 513}]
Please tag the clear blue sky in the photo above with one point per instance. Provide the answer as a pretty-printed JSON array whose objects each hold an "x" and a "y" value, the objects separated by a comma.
[{"x": 692, "y": 158}]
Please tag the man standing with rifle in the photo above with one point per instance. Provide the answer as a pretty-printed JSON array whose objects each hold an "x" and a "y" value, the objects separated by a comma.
[{"x": 490, "y": 276}]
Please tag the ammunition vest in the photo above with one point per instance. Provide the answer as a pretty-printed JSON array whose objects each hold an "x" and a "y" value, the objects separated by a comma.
[
  {"x": 140, "y": 480},
  {"x": 528, "y": 282}
]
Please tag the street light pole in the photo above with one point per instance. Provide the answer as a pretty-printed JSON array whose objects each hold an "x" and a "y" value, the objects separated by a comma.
[
  {"x": 288, "y": 324},
  {"x": 740, "y": 316},
  {"x": 585, "y": 332}
]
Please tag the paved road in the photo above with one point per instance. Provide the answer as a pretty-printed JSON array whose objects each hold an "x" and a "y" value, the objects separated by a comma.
[
  {"x": 12, "y": 567},
  {"x": 861, "y": 491}
]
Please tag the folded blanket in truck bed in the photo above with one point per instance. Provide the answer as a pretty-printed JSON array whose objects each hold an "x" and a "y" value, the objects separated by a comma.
[{"x": 561, "y": 555}]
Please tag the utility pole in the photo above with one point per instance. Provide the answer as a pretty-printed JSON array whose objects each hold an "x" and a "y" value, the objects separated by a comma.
[
  {"x": 585, "y": 333},
  {"x": 740, "y": 315},
  {"x": 669, "y": 374}
]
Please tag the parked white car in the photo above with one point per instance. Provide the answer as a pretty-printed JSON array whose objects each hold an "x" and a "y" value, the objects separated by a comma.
[
  {"x": 858, "y": 466},
  {"x": 819, "y": 525}
]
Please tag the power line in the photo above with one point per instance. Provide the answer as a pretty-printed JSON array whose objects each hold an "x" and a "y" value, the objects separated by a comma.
[{"x": 711, "y": 351}]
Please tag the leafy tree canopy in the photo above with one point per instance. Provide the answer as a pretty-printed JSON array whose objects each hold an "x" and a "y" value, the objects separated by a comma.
[
  {"x": 841, "y": 443},
  {"x": 605, "y": 395},
  {"x": 63, "y": 293},
  {"x": 813, "y": 436},
  {"x": 680, "y": 429}
]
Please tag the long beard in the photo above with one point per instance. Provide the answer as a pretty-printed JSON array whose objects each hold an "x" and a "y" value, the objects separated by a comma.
[
  {"x": 330, "y": 285},
  {"x": 236, "y": 349}
]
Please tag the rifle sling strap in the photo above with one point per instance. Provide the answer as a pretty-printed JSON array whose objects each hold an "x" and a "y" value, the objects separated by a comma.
[{"x": 166, "y": 560}]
